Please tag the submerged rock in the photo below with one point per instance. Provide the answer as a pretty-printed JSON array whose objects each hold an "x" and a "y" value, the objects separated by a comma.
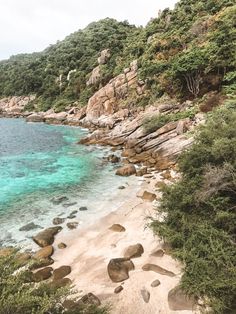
[
  {"x": 69, "y": 204},
  {"x": 58, "y": 220},
  {"x": 56, "y": 200},
  {"x": 46, "y": 237},
  {"x": 118, "y": 269},
  {"x": 83, "y": 208},
  {"x": 30, "y": 226}
]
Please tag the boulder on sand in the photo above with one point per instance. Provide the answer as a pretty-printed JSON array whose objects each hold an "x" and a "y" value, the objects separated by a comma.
[
  {"x": 126, "y": 170},
  {"x": 134, "y": 251},
  {"x": 179, "y": 301},
  {"x": 61, "y": 272},
  {"x": 43, "y": 253},
  {"x": 72, "y": 225},
  {"x": 90, "y": 299},
  {"x": 58, "y": 220},
  {"x": 145, "y": 294},
  {"x": 158, "y": 269},
  {"x": 117, "y": 228},
  {"x": 148, "y": 196},
  {"x": 118, "y": 269},
  {"x": 46, "y": 237},
  {"x": 42, "y": 274}
]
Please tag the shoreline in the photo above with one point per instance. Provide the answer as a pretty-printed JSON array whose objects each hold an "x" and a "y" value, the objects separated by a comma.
[{"x": 90, "y": 248}]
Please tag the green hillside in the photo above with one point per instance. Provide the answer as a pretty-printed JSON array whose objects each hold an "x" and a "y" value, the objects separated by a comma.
[{"x": 184, "y": 53}]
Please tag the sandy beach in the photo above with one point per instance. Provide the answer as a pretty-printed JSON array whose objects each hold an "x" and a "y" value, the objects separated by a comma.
[{"x": 89, "y": 250}]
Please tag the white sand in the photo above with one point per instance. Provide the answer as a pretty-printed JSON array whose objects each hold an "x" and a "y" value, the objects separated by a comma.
[{"x": 90, "y": 249}]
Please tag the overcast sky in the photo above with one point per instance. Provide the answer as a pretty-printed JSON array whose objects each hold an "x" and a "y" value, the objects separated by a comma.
[{"x": 31, "y": 25}]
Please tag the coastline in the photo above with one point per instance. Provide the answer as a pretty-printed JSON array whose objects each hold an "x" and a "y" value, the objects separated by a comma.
[{"x": 90, "y": 249}]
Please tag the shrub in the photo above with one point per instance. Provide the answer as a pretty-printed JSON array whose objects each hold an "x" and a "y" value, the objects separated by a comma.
[{"x": 200, "y": 215}]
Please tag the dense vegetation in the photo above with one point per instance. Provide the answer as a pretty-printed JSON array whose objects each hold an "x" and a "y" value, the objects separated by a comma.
[
  {"x": 200, "y": 213},
  {"x": 184, "y": 53},
  {"x": 19, "y": 295}
]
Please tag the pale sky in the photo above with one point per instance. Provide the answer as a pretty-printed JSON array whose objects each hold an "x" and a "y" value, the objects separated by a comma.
[{"x": 31, "y": 25}]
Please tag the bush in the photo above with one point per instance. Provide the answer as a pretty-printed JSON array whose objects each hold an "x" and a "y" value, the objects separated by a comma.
[
  {"x": 200, "y": 215},
  {"x": 19, "y": 295}
]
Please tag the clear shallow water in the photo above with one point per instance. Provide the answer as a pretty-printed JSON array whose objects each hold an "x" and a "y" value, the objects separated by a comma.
[{"x": 38, "y": 162}]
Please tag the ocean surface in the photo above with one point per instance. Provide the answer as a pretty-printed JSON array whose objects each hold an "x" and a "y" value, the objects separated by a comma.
[{"x": 39, "y": 162}]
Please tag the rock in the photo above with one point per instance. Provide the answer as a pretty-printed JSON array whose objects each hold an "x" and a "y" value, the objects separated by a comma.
[
  {"x": 155, "y": 283},
  {"x": 141, "y": 171},
  {"x": 42, "y": 274},
  {"x": 61, "y": 272},
  {"x": 166, "y": 175},
  {"x": 94, "y": 77},
  {"x": 72, "y": 225},
  {"x": 145, "y": 294},
  {"x": 104, "y": 57},
  {"x": 158, "y": 253},
  {"x": 43, "y": 253},
  {"x": 83, "y": 208},
  {"x": 128, "y": 152},
  {"x": 117, "y": 228},
  {"x": 134, "y": 251},
  {"x": 29, "y": 226},
  {"x": 118, "y": 289},
  {"x": 46, "y": 237},
  {"x": 71, "y": 306},
  {"x": 56, "y": 200},
  {"x": 113, "y": 158},
  {"x": 42, "y": 263},
  {"x": 58, "y": 220},
  {"x": 35, "y": 117},
  {"x": 23, "y": 258},
  {"x": 6, "y": 251},
  {"x": 158, "y": 269},
  {"x": 69, "y": 204},
  {"x": 118, "y": 269},
  {"x": 90, "y": 299},
  {"x": 148, "y": 196},
  {"x": 122, "y": 187},
  {"x": 71, "y": 216},
  {"x": 62, "y": 245},
  {"x": 178, "y": 301},
  {"x": 126, "y": 170},
  {"x": 60, "y": 283}
]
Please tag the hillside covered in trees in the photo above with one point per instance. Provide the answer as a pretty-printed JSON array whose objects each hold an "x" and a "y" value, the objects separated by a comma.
[{"x": 183, "y": 53}]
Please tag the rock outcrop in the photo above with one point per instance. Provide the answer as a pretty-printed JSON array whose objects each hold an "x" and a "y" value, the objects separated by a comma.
[
  {"x": 14, "y": 106},
  {"x": 46, "y": 237}
]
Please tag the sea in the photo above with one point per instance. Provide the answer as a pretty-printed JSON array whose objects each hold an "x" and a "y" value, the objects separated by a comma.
[{"x": 40, "y": 163}]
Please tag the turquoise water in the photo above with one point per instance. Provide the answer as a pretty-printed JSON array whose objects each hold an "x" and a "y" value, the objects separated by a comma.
[{"x": 39, "y": 162}]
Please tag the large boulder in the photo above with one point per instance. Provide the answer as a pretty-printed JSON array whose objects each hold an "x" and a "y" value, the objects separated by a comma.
[
  {"x": 60, "y": 283},
  {"x": 43, "y": 253},
  {"x": 126, "y": 170},
  {"x": 46, "y": 237},
  {"x": 118, "y": 269},
  {"x": 35, "y": 117},
  {"x": 158, "y": 269},
  {"x": 61, "y": 272},
  {"x": 134, "y": 251},
  {"x": 148, "y": 196},
  {"x": 42, "y": 274},
  {"x": 179, "y": 301}
]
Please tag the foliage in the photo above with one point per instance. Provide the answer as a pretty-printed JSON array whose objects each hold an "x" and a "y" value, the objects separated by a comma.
[
  {"x": 200, "y": 216},
  {"x": 18, "y": 294},
  {"x": 153, "y": 123},
  {"x": 185, "y": 53}
]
